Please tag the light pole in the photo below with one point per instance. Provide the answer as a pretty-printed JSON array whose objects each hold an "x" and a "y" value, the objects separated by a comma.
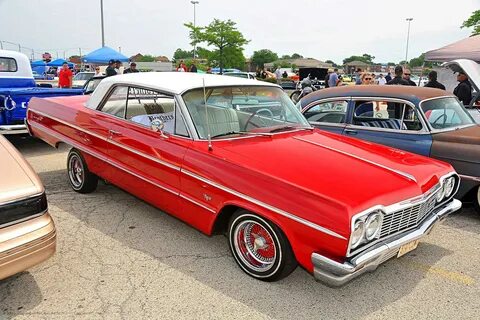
[
  {"x": 194, "y": 24},
  {"x": 101, "y": 16},
  {"x": 409, "y": 20}
]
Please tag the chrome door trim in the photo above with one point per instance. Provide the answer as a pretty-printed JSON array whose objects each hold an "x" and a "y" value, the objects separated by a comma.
[
  {"x": 264, "y": 205},
  {"x": 183, "y": 196},
  {"x": 398, "y": 172}
]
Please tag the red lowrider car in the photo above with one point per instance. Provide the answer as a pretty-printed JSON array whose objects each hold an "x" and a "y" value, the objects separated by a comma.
[{"x": 230, "y": 155}]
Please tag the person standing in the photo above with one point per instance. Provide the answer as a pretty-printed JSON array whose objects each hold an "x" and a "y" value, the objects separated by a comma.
[
  {"x": 65, "y": 76},
  {"x": 358, "y": 76},
  {"x": 406, "y": 77},
  {"x": 464, "y": 89},
  {"x": 193, "y": 67},
  {"x": 110, "y": 71},
  {"x": 97, "y": 71},
  {"x": 381, "y": 80},
  {"x": 327, "y": 77},
  {"x": 132, "y": 69},
  {"x": 118, "y": 65},
  {"x": 398, "y": 80},
  {"x": 333, "y": 79},
  {"x": 388, "y": 77},
  {"x": 432, "y": 81}
]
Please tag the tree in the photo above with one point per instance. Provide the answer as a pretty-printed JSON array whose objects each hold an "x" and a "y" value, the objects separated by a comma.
[
  {"x": 332, "y": 63},
  {"x": 223, "y": 35},
  {"x": 473, "y": 21},
  {"x": 391, "y": 64},
  {"x": 296, "y": 56},
  {"x": 146, "y": 58},
  {"x": 364, "y": 58},
  {"x": 263, "y": 56},
  {"x": 182, "y": 54}
]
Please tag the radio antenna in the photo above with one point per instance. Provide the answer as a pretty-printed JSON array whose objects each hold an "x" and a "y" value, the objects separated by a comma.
[{"x": 206, "y": 116}]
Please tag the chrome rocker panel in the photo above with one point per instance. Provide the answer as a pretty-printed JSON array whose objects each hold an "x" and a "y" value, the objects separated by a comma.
[
  {"x": 336, "y": 274},
  {"x": 13, "y": 129}
]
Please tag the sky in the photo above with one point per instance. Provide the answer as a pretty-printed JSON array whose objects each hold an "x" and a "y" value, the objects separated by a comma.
[{"x": 321, "y": 29}]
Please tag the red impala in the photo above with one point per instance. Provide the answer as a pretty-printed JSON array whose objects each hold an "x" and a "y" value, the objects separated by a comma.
[{"x": 230, "y": 155}]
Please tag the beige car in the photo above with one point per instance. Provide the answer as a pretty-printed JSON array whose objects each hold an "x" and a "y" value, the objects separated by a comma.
[{"x": 27, "y": 231}]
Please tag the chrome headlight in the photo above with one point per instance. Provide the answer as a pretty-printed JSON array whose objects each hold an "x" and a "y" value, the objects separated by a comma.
[
  {"x": 440, "y": 193},
  {"x": 357, "y": 233},
  {"x": 449, "y": 186},
  {"x": 373, "y": 225}
]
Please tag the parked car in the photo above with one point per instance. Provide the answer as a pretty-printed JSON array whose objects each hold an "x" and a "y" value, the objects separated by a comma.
[
  {"x": 245, "y": 75},
  {"x": 92, "y": 84},
  {"x": 231, "y": 155},
  {"x": 27, "y": 231},
  {"x": 81, "y": 78},
  {"x": 426, "y": 121},
  {"x": 17, "y": 86}
]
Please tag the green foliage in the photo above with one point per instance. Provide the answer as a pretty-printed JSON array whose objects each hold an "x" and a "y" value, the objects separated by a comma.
[
  {"x": 263, "y": 56},
  {"x": 296, "y": 56},
  {"x": 182, "y": 54},
  {"x": 420, "y": 61},
  {"x": 364, "y": 58},
  {"x": 146, "y": 58},
  {"x": 224, "y": 37},
  {"x": 332, "y": 63},
  {"x": 391, "y": 64},
  {"x": 473, "y": 21}
]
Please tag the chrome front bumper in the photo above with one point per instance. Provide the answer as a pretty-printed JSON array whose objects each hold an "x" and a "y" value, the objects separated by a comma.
[
  {"x": 336, "y": 274},
  {"x": 13, "y": 129}
]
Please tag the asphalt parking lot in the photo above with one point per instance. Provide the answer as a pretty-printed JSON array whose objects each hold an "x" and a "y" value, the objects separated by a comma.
[{"x": 120, "y": 258}]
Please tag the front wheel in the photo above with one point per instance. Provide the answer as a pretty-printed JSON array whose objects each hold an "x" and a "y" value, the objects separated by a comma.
[
  {"x": 80, "y": 178},
  {"x": 476, "y": 200},
  {"x": 259, "y": 247},
  {"x": 295, "y": 96}
]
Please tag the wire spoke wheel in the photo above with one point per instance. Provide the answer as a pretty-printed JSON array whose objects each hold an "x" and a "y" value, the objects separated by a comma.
[
  {"x": 255, "y": 246},
  {"x": 76, "y": 171}
]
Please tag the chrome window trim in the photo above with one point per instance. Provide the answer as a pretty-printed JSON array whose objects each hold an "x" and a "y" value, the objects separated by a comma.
[
  {"x": 466, "y": 177},
  {"x": 390, "y": 209},
  {"x": 432, "y": 130},
  {"x": 214, "y": 184},
  {"x": 424, "y": 129},
  {"x": 398, "y": 172},
  {"x": 324, "y": 100}
]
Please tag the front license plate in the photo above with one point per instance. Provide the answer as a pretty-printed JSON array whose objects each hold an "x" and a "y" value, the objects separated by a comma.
[{"x": 407, "y": 248}]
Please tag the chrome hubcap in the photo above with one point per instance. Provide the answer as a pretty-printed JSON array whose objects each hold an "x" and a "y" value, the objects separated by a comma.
[
  {"x": 255, "y": 246},
  {"x": 478, "y": 196},
  {"x": 76, "y": 171}
]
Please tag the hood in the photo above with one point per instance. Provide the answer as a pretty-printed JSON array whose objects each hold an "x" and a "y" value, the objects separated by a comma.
[
  {"x": 470, "y": 67},
  {"x": 17, "y": 178},
  {"x": 353, "y": 173}
]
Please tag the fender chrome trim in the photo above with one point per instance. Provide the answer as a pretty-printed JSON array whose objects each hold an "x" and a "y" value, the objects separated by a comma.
[
  {"x": 397, "y": 172},
  {"x": 472, "y": 178}
]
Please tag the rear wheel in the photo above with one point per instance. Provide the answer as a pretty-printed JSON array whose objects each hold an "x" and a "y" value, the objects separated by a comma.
[
  {"x": 476, "y": 200},
  {"x": 260, "y": 247},
  {"x": 80, "y": 178}
]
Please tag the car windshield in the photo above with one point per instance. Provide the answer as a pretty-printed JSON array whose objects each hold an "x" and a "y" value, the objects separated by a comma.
[
  {"x": 445, "y": 113},
  {"x": 83, "y": 76},
  {"x": 238, "y": 75},
  {"x": 91, "y": 85},
  {"x": 242, "y": 110}
]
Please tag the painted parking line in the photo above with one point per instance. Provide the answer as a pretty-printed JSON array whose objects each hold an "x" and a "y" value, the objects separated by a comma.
[{"x": 440, "y": 272}]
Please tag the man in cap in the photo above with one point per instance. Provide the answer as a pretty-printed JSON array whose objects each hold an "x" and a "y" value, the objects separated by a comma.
[
  {"x": 398, "y": 80},
  {"x": 118, "y": 64},
  {"x": 110, "y": 71},
  {"x": 464, "y": 89},
  {"x": 432, "y": 81},
  {"x": 132, "y": 69}
]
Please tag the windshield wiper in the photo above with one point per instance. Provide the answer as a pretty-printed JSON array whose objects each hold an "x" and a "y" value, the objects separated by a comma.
[
  {"x": 242, "y": 133},
  {"x": 289, "y": 127}
]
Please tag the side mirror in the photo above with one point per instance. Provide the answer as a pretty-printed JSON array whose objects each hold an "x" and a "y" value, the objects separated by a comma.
[{"x": 157, "y": 125}]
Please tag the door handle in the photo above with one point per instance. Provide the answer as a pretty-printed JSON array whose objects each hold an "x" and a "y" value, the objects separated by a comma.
[
  {"x": 114, "y": 133},
  {"x": 351, "y": 132}
]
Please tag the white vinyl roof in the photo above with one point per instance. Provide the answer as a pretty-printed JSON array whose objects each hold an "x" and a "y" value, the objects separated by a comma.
[{"x": 170, "y": 82}]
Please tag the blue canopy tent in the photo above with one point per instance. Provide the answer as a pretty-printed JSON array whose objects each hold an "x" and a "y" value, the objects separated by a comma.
[
  {"x": 59, "y": 63},
  {"x": 38, "y": 63},
  {"x": 103, "y": 55}
]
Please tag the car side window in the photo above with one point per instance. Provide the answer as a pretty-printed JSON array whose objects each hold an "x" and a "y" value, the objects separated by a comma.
[
  {"x": 327, "y": 112},
  {"x": 386, "y": 114},
  {"x": 146, "y": 105},
  {"x": 116, "y": 102}
]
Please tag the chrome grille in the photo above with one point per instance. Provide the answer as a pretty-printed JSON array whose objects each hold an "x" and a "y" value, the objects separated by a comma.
[{"x": 406, "y": 218}]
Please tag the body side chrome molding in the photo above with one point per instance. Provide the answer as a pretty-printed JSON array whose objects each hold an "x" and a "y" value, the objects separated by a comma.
[
  {"x": 214, "y": 184},
  {"x": 197, "y": 203},
  {"x": 472, "y": 178},
  {"x": 265, "y": 205},
  {"x": 398, "y": 172}
]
